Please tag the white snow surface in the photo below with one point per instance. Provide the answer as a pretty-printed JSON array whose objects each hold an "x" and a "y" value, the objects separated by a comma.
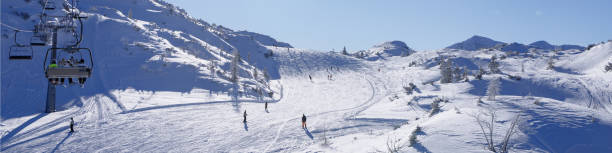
[
  {"x": 591, "y": 61},
  {"x": 152, "y": 92}
]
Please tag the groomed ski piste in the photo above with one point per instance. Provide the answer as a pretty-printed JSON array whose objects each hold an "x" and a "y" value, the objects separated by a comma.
[{"x": 153, "y": 91}]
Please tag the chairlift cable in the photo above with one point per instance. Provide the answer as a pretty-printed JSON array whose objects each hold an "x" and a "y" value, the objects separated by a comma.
[{"x": 11, "y": 27}]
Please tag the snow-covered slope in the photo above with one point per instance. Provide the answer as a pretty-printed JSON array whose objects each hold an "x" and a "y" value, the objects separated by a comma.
[
  {"x": 475, "y": 43},
  {"x": 591, "y": 61},
  {"x": 152, "y": 91},
  {"x": 385, "y": 50},
  {"x": 160, "y": 48}
]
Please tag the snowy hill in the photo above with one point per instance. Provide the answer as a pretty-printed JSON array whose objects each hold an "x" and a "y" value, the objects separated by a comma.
[
  {"x": 385, "y": 50},
  {"x": 591, "y": 61},
  {"x": 546, "y": 46},
  {"x": 542, "y": 45},
  {"x": 517, "y": 47},
  {"x": 162, "y": 83},
  {"x": 160, "y": 44},
  {"x": 475, "y": 43},
  {"x": 478, "y": 42}
]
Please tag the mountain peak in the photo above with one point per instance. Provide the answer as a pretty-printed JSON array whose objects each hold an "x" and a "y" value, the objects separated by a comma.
[
  {"x": 475, "y": 42},
  {"x": 542, "y": 45},
  {"x": 386, "y": 49}
]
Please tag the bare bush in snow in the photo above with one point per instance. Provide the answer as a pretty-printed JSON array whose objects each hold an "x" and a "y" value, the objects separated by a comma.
[
  {"x": 394, "y": 145},
  {"x": 487, "y": 126}
]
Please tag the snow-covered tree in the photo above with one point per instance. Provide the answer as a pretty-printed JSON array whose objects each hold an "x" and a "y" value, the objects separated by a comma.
[
  {"x": 344, "y": 52},
  {"x": 266, "y": 75},
  {"x": 608, "y": 67},
  {"x": 255, "y": 75},
  {"x": 130, "y": 14},
  {"x": 435, "y": 106},
  {"x": 457, "y": 74},
  {"x": 211, "y": 67},
  {"x": 493, "y": 88},
  {"x": 551, "y": 63},
  {"x": 494, "y": 65},
  {"x": 446, "y": 71},
  {"x": 480, "y": 73},
  {"x": 234, "y": 67},
  {"x": 465, "y": 74},
  {"x": 413, "y": 136}
]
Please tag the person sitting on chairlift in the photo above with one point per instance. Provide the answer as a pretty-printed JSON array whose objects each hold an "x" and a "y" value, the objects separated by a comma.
[{"x": 53, "y": 65}]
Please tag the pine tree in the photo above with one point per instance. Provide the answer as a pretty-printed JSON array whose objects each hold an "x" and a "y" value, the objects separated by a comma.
[
  {"x": 480, "y": 73},
  {"x": 493, "y": 88},
  {"x": 130, "y": 14},
  {"x": 344, "y": 52},
  {"x": 465, "y": 74},
  {"x": 212, "y": 66},
  {"x": 551, "y": 63},
  {"x": 608, "y": 67},
  {"x": 266, "y": 75},
  {"x": 457, "y": 74},
  {"x": 234, "y": 68},
  {"x": 494, "y": 65},
  {"x": 446, "y": 71},
  {"x": 255, "y": 73}
]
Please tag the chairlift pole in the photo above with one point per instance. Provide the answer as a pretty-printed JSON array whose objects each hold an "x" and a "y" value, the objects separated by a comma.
[{"x": 50, "y": 87}]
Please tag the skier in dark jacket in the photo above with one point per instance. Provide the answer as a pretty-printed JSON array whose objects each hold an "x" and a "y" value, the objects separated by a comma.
[
  {"x": 310, "y": 77},
  {"x": 71, "y": 124},
  {"x": 245, "y": 114},
  {"x": 303, "y": 121},
  {"x": 266, "y": 106}
]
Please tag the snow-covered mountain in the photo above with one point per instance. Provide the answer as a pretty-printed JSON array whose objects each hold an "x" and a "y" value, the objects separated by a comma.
[
  {"x": 516, "y": 47},
  {"x": 160, "y": 47},
  {"x": 475, "y": 42},
  {"x": 478, "y": 42},
  {"x": 385, "y": 50},
  {"x": 542, "y": 45},
  {"x": 161, "y": 83},
  {"x": 546, "y": 46}
]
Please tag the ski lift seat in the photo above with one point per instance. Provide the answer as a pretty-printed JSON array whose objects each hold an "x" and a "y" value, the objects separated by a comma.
[
  {"x": 55, "y": 69},
  {"x": 37, "y": 40},
  {"x": 50, "y": 5},
  {"x": 68, "y": 72},
  {"x": 18, "y": 52}
]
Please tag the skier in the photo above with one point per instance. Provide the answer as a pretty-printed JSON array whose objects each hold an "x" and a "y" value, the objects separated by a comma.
[
  {"x": 266, "y": 106},
  {"x": 71, "y": 124},
  {"x": 303, "y": 121},
  {"x": 310, "y": 77},
  {"x": 245, "y": 114}
]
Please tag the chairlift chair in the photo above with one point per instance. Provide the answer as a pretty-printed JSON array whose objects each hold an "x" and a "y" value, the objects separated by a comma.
[
  {"x": 20, "y": 51},
  {"x": 80, "y": 71},
  {"x": 50, "y": 5},
  {"x": 38, "y": 39}
]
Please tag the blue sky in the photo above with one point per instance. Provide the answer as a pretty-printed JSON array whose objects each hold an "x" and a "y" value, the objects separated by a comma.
[{"x": 423, "y": 25}]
